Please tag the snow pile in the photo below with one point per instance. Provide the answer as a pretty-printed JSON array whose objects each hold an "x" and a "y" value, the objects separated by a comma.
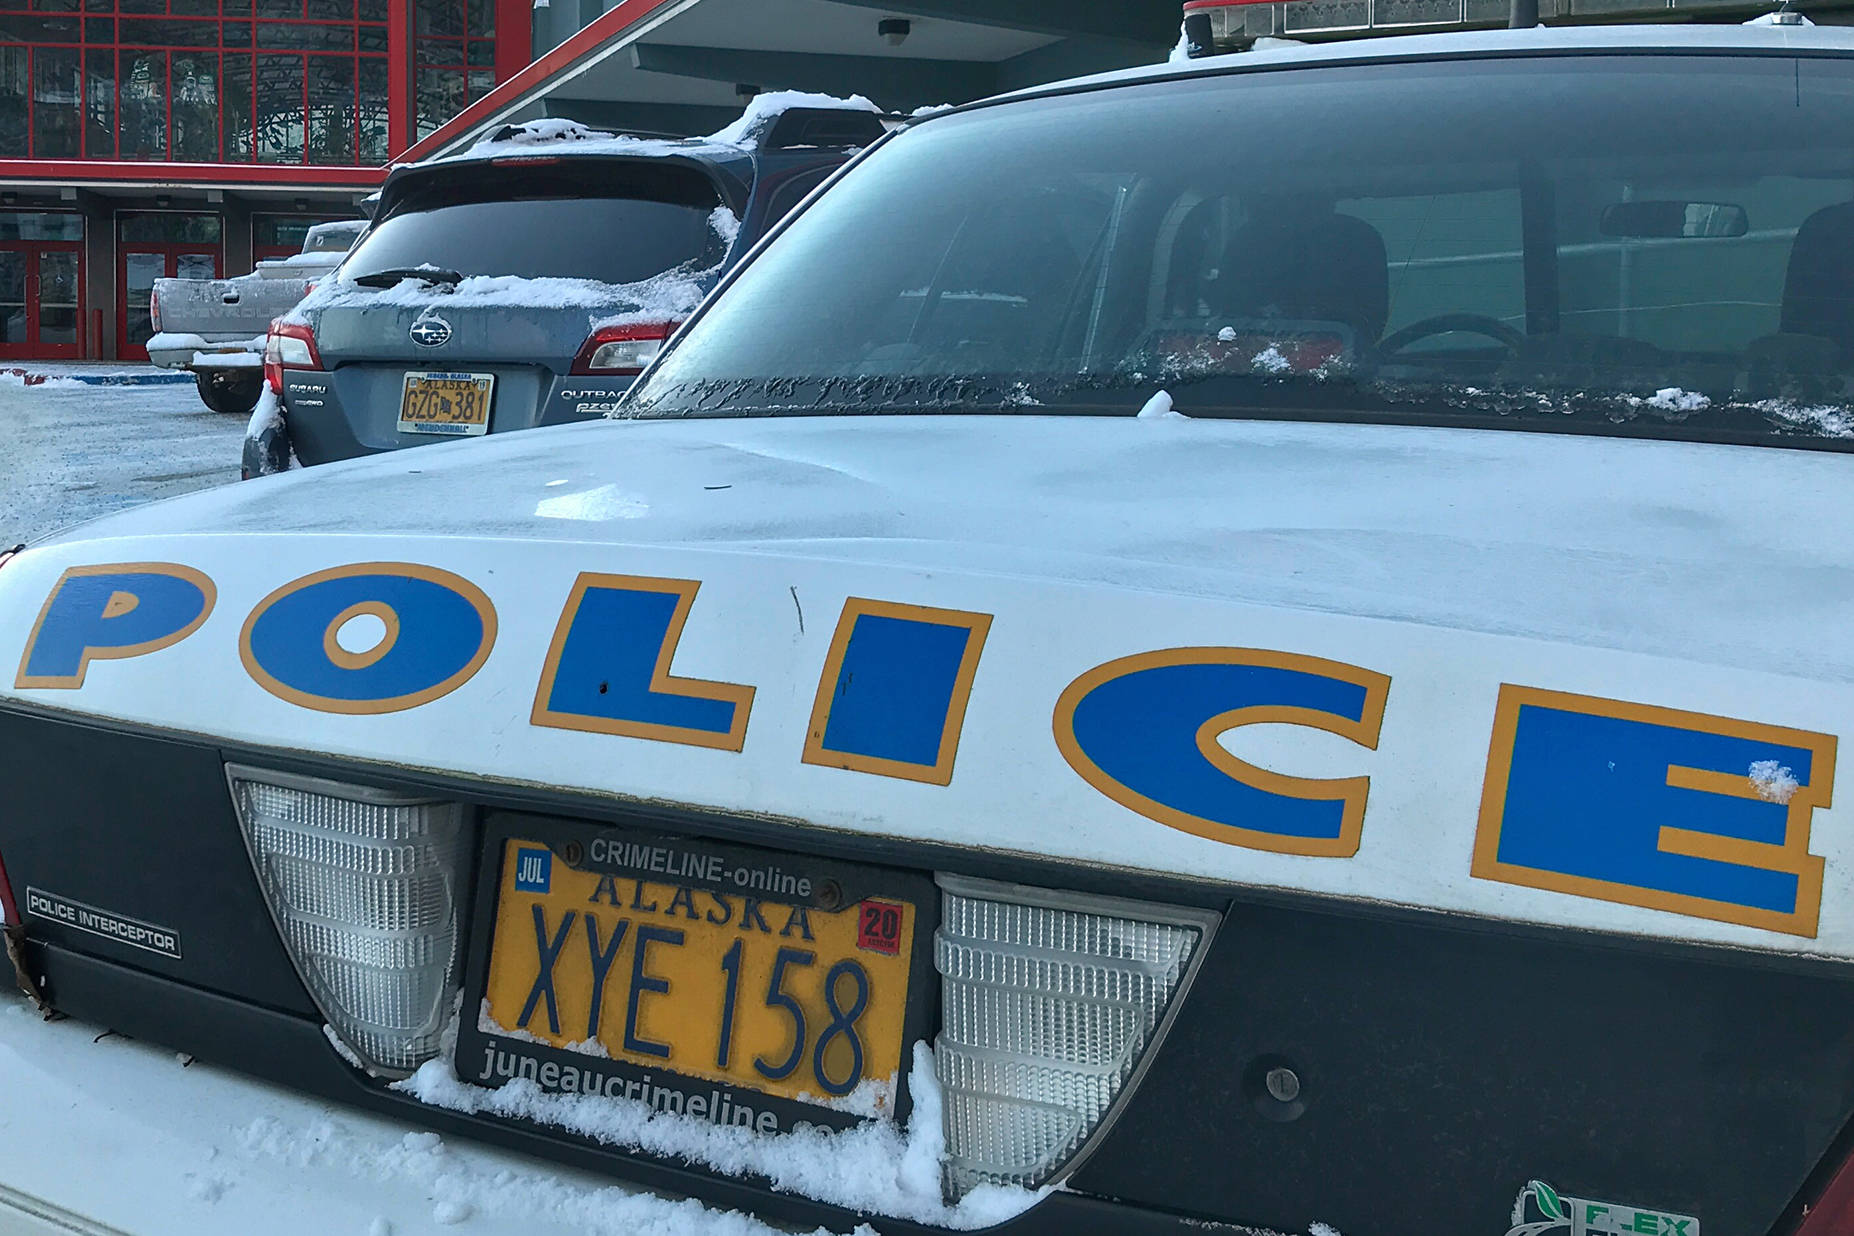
[
  {"x": 1270, "y": 360},
  {"x": 1828, "y": 420},
  {"x": 267, "y": 415},
  {"x": 764, "y": 110},
  {"x": 725, "y": 223},
  {"x": 487, "y": 1024},
  {"x": 1181, "y": 50},
  {"x": 672, "y": 294},
  {"x": 1673, "y": 399},
  {"x": 181, "y": 341},
  {"x": 872, "y": 1167},
  {"x": 1159, "y": 407},
  {"x": 460, "y": 1188},
  {"x": 1773, "y": 781},
  {"x": 39, "y": 382},
  {"x": 542, "y": 132},
  {"x": 322, "y": 257}
]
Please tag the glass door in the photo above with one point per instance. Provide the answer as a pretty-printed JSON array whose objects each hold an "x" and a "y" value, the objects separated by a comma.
[
  {"x": 15, "y": 322},
  {"x": 153, "y": 245},
  {"x": 41, "y": 285},
  {"x": 136, "y": 286},
  {"x": 40, "y": 306},
  {"x": 59, "y": 311}
]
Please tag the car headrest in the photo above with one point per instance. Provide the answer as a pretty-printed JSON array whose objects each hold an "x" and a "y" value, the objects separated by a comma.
[
  {"x": 1818, "y": 290},
  {"x": 1328, "y": 268}
]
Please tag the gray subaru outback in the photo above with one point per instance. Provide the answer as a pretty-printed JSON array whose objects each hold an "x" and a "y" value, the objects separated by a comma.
[{"x": 528, "y": 281}]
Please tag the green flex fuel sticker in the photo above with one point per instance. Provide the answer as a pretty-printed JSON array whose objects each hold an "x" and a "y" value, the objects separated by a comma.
[{"x": 1541, "y": 1209}]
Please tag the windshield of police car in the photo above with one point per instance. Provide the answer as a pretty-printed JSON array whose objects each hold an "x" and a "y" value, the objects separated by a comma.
[{"x": 1659, "y": 241}]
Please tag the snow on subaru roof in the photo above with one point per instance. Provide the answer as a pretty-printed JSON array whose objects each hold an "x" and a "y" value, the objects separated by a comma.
[{"x": 561, "y": 135}]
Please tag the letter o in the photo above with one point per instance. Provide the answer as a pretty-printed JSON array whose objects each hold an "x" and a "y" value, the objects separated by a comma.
[{"x": 441, "y": 627}]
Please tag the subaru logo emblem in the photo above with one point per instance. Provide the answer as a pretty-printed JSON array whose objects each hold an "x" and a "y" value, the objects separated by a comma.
[{"x": 430, "y": 332}]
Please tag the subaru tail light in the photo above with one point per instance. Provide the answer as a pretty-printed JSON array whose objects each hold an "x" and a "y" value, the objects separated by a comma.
[
  {"x": 1050, "y": 1003},
  {"x": 623, "y": 351},
  {"x": 365, "y": 887},
  {"x": 290, "y": 345}
]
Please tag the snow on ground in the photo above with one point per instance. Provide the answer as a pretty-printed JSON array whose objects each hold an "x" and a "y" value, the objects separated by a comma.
[
  {"x": 70, "y": 451},
  {"x": 193, "y": 1149}
]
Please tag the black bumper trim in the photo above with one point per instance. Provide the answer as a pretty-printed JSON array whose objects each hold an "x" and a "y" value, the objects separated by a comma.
[{"x": 292, "y": 1052}]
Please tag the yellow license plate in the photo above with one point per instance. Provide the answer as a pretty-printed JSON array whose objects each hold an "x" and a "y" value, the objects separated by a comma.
[
  {"x": 731, "y": 987},
  {"x": 446, "y": 403}
]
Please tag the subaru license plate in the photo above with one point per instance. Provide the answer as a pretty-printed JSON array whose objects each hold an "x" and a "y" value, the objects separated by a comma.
[{"x": 446, "y": 403}]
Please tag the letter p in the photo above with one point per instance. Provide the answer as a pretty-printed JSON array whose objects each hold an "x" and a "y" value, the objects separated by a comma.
[{"x": 111, "y": 611}]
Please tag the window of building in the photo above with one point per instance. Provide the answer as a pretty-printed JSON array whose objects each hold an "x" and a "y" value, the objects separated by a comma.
[
  {"x": 206, "y": 81},
  {"x": 275, "y": 236},
  {"x": 454, "y": 57}
]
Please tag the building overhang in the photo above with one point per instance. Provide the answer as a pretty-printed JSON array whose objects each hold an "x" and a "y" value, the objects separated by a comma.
[{"x": 685, "y": 66}]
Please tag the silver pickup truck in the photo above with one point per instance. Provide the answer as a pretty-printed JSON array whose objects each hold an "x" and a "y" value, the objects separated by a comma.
[{"x": 216, "y": 327}]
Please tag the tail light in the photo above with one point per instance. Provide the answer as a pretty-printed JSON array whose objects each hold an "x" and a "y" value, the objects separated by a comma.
[
  {"x": 13, "y": 933},
  {"x": 1050, "y": 1004},
  {"x": 623, "y": 350},
  {"x": 290, "y": 345},
  {"x": 365, "y": 887},
  {"x": 9, "y": 908},
  {"x": 154, "y": 310},
  {"x": 1832, "y": 1211}
]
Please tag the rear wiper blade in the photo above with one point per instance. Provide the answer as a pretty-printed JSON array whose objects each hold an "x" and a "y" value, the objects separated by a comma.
[{"x": 393, "y": 274}]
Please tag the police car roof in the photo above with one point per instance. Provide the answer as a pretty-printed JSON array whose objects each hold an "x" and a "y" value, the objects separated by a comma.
[{"x": 1759, "y": 39}]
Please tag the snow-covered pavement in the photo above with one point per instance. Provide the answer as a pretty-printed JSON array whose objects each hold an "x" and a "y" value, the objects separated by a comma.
[
  {"x": 134, "y": 1138},
  {"x": 70, "y": 451}
]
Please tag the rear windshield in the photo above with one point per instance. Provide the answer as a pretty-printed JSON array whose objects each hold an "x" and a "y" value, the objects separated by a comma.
[
  {"x": 582, "y": 220},
  {"x": 1654, "y": 243}
]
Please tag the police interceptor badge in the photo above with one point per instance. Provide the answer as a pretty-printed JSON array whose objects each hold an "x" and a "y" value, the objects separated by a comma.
[{"x": 1540, "y": 1209}]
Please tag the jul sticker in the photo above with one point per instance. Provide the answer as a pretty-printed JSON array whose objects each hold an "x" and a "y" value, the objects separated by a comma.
[
  {"x": 1540, "y": 1209},
  {"x": 534, "y": 870}
]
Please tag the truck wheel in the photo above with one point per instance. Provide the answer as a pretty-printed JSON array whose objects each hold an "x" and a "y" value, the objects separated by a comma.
[{"x": 235, "y": 391}]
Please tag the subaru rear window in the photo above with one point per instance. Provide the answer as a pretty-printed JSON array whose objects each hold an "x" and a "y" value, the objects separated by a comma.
[
  {"x": 579, "y": 220},
  {"x": 1634, "y": 243}
]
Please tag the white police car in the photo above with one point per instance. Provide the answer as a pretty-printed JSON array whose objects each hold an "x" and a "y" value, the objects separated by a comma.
[{"x": 1238, "y": 645}]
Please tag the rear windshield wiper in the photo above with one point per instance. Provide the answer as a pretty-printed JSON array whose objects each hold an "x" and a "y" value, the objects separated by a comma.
[{"x": 393, "y": 274}]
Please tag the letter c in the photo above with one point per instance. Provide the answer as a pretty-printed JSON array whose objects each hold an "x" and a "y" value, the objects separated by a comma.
[{"x": 1143, "y": 730}]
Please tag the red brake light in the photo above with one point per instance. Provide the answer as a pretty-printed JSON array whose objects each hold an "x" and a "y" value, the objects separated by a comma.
[
  {"x": 1832, "y": 1212},
  {"x": 9, "y": 909},
  {"x": 623, "y": 350},
  {"x": 290, "y": 345},
  {"x": 154, "y": 311}
]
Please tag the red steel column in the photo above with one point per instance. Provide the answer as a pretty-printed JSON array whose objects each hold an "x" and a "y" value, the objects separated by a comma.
[{"x": 398, "y": 77}]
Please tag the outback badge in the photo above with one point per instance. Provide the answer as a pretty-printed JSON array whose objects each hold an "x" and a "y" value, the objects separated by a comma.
[{"x": 1541, "y": 1209}]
